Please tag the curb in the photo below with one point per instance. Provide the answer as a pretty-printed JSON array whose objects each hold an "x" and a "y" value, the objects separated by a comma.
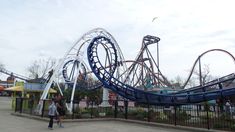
[{"x": 186, "y": 128}]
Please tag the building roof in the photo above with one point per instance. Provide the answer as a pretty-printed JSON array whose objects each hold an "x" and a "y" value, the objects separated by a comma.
[
  {"x": 21, "y": 89},
  {"x": 37, "y": 80}
]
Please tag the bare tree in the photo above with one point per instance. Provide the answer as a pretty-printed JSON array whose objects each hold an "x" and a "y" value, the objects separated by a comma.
[
  {"x": 177, "y": 82},
  {"x": 1, "y": 66},
  {"x": 39, "y": 68},
  {"x": 205, "y": 74},
  {"x": 192, "y": 82}
]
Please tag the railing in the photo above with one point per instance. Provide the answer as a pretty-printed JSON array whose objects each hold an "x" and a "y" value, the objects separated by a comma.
[{"x": 198, "y": 115}]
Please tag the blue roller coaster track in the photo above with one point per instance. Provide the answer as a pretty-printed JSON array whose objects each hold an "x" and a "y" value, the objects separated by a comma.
[{"x": 215, "y": 89}]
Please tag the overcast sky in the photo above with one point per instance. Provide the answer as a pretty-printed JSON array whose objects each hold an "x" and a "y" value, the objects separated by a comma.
[{"x": 34, "y": 29}]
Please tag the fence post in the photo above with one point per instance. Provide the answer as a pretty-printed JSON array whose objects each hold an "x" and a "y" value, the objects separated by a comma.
[
  {"x": 207, "y": 116},
  {"x": 92, "y": 109},
  {"x": 175, "y": 114},
  {"x": 31, "y": 101},
  {"x": 43, "y": 107},
  {"x": 16, "y": 104},
  {"x": 126, "y": 108},
  {"x": 73, "y": 111},
  {"x": 197, "y": 111},
  {"x": 115, "y": 108},
  {"x": 21, "y": 105},
  {"x": 148, "y": 113}
]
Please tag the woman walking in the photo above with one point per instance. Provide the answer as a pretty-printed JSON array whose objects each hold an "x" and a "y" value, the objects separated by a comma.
[
  {"x": 60, "y": 109},
  {"x": 52, "y": 113}
]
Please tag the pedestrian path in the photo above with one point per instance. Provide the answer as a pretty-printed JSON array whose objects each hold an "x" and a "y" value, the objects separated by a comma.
[{"x": 11, "y": 123}]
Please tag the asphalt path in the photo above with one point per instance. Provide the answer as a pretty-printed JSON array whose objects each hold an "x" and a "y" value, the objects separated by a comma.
[{"x": 11, "y": 123}]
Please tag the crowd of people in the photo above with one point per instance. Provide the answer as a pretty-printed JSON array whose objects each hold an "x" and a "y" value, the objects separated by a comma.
[{"x": 56, "y": 111}]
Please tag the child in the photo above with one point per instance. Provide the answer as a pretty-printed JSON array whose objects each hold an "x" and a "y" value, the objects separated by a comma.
[{"x": 52, "y": 113}]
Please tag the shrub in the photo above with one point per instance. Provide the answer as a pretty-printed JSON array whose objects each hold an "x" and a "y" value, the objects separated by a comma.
[
  {"x": 109, "y": 112},
  {"x": 182, "y": 115},
  {"x": 138, "y": 113},
  {"x": 232, "y": 127},
  {"x": 161, "y": 115},
  {"x": 219, "y": 125}
]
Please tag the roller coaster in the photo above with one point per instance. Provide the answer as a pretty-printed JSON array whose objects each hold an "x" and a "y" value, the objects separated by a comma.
[
  {"x": 10, "y": 73},
  {"x": 97, "y": 60}
]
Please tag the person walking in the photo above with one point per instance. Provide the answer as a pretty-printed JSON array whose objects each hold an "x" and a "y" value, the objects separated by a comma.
[
  {"x": 60, "y": 109},
  {"x": 52, "y": 113}
]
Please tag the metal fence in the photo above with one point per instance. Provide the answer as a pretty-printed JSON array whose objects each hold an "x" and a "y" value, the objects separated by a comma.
[{"x": 197, "y": 115}]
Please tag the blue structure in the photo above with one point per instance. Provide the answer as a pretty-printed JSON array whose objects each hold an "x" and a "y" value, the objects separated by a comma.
[{"x": 209, "y": 91}]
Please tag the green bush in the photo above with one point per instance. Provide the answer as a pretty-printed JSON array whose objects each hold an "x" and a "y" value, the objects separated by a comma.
[
  {"x": 182, "y": 115},
  {"x": 162, "y": 115},
  {"x": 210, "y": 115},
  {"x": 94, "y": 111},
  {"x": 138, "y": 114},
  {"x": 109, "y": 112},
  {"x": 232, "y": 127},
  {"x": 226, "y": 117},
  {"x": 219, "y": 125}
]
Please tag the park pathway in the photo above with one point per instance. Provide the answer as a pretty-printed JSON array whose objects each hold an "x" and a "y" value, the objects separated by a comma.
[{"x": 11, "y": 123}]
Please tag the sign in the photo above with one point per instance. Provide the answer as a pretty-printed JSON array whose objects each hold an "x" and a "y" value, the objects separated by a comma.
[{"x": 34, "y": 86}]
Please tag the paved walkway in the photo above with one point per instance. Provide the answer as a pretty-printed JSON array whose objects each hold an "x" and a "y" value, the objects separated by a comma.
[{"x": 10, "y": 123}]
